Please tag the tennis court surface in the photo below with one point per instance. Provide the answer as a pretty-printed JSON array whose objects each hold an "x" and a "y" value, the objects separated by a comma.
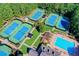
[
  {"x": 4, "y": 50},
  {"x": 8, "y": 30},
  {"x": 21, "y": 33},
  {"x": 51, "y": 21},
  {"x": 37, "y": 14},
  {"x": 63, "y": 24},
  {"x": 16, "y": 31}
]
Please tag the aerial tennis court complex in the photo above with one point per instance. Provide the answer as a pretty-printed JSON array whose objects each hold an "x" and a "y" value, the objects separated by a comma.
[{"x": 17, "y": 32}]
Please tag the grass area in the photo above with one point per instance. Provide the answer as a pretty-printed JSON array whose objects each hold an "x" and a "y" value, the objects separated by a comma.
[
  {"x": 35, "y": 35},
  {"x": 58, "y": 31},
  {"x": 46, "y": 28},
  {"x": 37, "y": 43},
  {"x": 54, "y": 31},
  {"x": 23, "y": 49},
  {"x": 29, "y": 41},
  {"x": 1, "y": 22}
]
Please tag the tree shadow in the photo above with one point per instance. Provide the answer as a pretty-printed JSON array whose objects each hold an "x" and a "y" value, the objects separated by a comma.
[{"x": 65, "y": 23}]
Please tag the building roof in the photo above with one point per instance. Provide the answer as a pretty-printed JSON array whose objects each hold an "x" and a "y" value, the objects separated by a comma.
[{"x": 33, "y": 53}]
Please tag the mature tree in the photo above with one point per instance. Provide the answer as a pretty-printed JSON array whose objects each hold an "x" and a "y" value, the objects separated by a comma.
[{"x": 74, "y": 26}]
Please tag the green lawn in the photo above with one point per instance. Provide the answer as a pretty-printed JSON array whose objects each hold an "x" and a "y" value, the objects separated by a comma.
[
  {"x": 35, "y": 35},
  {"x": 54, "y": 31},
  {"x": 58, "y": 31},
  {"x": 23, "y": 49},
  {"x": 29, "y": 41},
  {"x": 1, "y": 22},
  {"x": 37, "y": 43},
  {"x": 46, "y": 28}
]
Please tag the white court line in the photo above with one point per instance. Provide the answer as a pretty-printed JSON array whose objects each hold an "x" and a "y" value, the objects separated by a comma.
[
  {"x": 26, "y": 45},
  {"x": 32, "y": 29}
]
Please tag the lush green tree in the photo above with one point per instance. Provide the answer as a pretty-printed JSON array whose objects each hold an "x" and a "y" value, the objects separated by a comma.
[
  {"x": 5, "y": 13},
  {"x": 74, "y": 26}
]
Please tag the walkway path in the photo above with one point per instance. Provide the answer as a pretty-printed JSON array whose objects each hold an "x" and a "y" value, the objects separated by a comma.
[
  {"x": 5, "y": 41},
  {"x": 32, "y": 29},
  {"x": 26, "y": 45}
]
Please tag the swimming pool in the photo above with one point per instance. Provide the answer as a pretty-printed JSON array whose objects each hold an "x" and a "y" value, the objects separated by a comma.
[
  {"x": 51, "y": 20},
  {"x": 20, "y": 33},
  {"x": 10, "y": 28},
  {"x": 37, "y": 15},
  {"x": 64, "y": 44},
  {"x": 63, "y": 24},
  {"x": 4, "y": 50}
]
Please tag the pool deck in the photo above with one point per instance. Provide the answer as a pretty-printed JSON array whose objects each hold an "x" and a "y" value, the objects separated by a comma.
[{"x": 57, "y": 48}]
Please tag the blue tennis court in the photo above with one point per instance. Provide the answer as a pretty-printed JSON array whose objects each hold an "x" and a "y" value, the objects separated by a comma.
[
  {"x": 5, "y": 50},
  {"x": 37, "y": 15},
  {"x": 11, "y": 28},
  {"x": 63, "y": 24},
  {"x": 64, "y": 44},
  {"x": 51, "y": 21},
  {"x": 2, "y": 53},
  {"x": 21, "y": 33}
]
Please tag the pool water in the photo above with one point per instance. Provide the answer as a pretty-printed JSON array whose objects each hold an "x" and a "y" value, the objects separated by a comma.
[
  {"x": 11, "y": 28},
  {"x": 64, "y": 44},
  {"x": 51, "y": 20},
  {"x": 37, "y": 15}
]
